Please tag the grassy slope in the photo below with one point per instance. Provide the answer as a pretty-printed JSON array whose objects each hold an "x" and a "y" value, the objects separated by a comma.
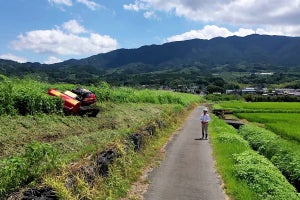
[
  {"x": 71, "y": 134},
  {"x": 123, "y": 111}
]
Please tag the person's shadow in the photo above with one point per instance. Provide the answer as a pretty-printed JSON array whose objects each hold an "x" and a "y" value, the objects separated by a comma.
[{"x": 200, "y": 139}]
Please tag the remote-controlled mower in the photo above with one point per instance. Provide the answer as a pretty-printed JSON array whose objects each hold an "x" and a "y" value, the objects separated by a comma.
[{"x": 77, "y": 102}]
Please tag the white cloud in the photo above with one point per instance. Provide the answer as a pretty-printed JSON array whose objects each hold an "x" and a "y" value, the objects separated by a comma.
[
  {"x": 64, "y": 2},
  {"x": 150, "y": 15},
  {"x": 248, "y": 13},
  {"x": 212, "y": 31},
  {"x": 208, "y": 32},
  {"x": 56, "y": 41},
  {"x": 52, "y": 60},
  {"x": 90, "y": 4},
  {"x": 73, "y": 26},
  {"x": 13, "y": 57},
  {"x": 137, "y": 6}
]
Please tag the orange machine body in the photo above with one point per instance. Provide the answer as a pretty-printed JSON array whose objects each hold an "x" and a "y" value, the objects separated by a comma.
[{"x": 70, "y": 104}]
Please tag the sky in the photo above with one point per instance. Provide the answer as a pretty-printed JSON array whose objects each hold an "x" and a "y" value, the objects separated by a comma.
[{"x": 51, "y": 31}]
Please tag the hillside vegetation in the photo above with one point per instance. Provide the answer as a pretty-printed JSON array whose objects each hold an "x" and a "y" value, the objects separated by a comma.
[{"x": 237, "y": 60}]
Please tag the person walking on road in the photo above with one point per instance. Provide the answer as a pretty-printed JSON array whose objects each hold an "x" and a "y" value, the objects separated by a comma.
[{"x": 204, "y": 118}]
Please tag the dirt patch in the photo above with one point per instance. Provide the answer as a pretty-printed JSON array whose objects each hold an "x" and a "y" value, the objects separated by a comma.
[
  {"x": 42, "y": 193},
  {"x": 1, "y": 146},
  {"x": 50, "y": 138}
]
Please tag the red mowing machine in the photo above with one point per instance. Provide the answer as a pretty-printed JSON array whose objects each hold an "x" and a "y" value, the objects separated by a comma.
[{"x": 77, "y": 102}]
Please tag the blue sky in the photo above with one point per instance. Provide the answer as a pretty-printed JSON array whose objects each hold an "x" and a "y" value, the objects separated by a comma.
[{"x": 50, "y": 31}]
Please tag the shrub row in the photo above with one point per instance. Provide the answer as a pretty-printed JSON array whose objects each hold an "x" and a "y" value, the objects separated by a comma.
[
  {"x": 285, "y": 155},
  {"x": 246, "y": 174},
  {"x": 262, "y": 176}
]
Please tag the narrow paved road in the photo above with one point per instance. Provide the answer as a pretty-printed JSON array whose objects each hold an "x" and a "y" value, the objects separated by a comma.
[{"x": 187, "y": 172}]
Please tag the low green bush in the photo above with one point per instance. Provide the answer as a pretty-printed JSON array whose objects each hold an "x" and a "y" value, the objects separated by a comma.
[
  {"x": 263, "y": 177},
  {"x": 284, "y": 154}
]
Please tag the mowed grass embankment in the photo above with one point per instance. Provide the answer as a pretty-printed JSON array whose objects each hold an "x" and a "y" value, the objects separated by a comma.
[{"x": 35, "y": 142}]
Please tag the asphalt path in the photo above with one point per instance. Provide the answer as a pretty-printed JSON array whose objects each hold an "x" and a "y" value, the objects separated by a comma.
[{"x": 187, "y": 171}]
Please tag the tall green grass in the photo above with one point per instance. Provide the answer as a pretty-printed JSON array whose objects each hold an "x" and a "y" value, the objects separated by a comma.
[
  {"x": 26, "y": 96},
  {"x": 105, "y": 92}
]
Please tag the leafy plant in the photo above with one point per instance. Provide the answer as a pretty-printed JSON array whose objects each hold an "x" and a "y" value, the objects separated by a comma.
[
  {"x": 284, "y": 154},
  {"x": 261, "y": 175},
  {"x": 18, "y": 170}
]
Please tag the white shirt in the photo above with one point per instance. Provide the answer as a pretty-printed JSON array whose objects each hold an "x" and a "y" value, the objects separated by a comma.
[{"x": 205, "y": 117}]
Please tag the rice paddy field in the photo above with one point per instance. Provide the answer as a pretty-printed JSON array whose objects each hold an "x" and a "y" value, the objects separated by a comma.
[
  {"x": 284, "y": 124},
  {"x": 261, "y": 107},
  {"x": 280, "y": 117}
]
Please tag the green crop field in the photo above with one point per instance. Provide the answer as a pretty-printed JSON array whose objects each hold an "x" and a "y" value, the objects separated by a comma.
[
  {"x": 280, "y": 117},
  {"x": 274, "y": 107},
  {"x": 280, "y": 143},
  {"x": 248, "y": 175},
  {"x": 284, "y": 124}
]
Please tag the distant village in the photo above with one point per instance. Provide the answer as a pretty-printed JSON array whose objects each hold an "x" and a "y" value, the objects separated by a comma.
[
  {"x": 248, "y": 90},
  {"x": 266, "y": 91}
]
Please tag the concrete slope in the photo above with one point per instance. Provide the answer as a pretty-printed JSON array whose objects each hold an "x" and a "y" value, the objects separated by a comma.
[{"x": 187, "y": 172}]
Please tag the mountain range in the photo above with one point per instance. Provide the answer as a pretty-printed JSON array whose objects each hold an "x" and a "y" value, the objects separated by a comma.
[{"x": 183, "y": 60}]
